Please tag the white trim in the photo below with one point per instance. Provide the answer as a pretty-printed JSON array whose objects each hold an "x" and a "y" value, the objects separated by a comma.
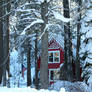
[
  {"x": 50, "y": 74},
  {"x": 53, "y": 56}
]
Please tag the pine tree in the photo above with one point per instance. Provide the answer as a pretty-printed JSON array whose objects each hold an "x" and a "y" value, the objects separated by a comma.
[{"x": 86, "y": 43}]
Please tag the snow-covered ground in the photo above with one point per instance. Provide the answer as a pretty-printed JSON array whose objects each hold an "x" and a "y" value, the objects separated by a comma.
[
  {"x": 59, "y": 86},
  {"x": 4, "y": 89}
]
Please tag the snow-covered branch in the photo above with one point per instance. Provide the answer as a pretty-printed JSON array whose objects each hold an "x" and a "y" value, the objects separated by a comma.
[
  {"x": 33, "y": 23},
  {"x": 61, "y": 17}
]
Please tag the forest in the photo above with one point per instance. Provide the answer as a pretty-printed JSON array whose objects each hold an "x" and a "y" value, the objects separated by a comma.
[{"x": 46, "y": 45}]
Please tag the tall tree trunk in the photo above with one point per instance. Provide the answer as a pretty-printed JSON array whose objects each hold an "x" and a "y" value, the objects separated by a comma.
[
  {"x": 28, "y": 66},
  {"x": 44, "y": 46},
  {"x": 36, "y": 65},
  {"x": 8, "y": 62},
  {"x": 68, "y": 71},
  {"x": 1, "y": 42},
  {"x": 6, "y": 41},
  {"x": 6, "y": 50},
  {"x": 78, "y": 43}
]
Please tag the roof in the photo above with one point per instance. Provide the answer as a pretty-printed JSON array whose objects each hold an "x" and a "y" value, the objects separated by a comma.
[
  {"x": 56, "y": 41},
  {"x": 53, "y": 44},
  {"x": 57, "y": 38}
]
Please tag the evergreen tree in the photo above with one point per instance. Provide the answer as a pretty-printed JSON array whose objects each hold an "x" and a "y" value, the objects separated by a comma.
[{"x": 86, "y": 43}]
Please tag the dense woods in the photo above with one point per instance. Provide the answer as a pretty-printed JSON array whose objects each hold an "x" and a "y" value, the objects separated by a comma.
[{"x": 26, "y": 30}]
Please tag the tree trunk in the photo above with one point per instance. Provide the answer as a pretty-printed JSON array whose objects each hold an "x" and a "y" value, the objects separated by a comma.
[
  {"x": 6, "y": 50},
  {"x": 5, "y": 41},
  {"x": 44, "y": 46},
  {"x": 78, "y": 44},
  {"x": 28, "y": 66},
  {"x": 8, "y": 62},
  {"x": 68, "y": 71},
  {"x": 1, "y": 43},
  {"x": 36, "y": 65}
]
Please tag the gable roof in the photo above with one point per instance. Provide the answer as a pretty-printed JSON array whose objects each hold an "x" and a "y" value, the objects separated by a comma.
[
  {"x": 56, "y": 41},
  {"x": 54, "y": 44}
]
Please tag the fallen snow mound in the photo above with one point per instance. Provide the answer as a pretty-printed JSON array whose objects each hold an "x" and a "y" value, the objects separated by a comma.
[{"x": 70, "y": 87}]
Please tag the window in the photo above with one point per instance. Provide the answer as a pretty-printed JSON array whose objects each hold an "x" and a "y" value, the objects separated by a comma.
[
  {"x": 54, "y": 74},
  {"x": 54, "y": 56},
  {"x": 51, "y": 57}
]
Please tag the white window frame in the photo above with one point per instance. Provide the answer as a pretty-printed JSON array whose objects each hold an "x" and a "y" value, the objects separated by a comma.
[
  {"x": 50, "y": 74},
  {"x": 54, "y": 56}
]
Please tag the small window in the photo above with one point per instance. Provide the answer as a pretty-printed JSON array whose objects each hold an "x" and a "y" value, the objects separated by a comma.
[
  {"x": 50, "y": 57},
  {"x": 54, "y": 74},
  {"x": 54, "y": 56}
]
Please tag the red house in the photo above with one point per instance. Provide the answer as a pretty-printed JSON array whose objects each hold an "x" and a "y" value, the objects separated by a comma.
[{"x": 56, "y": 58}]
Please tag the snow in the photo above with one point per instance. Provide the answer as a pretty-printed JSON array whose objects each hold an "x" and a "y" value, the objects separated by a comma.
[
  {"x": 15, "y": 69},
  {"x": 48, "y": 0},
  {"x": 61, "y": 65},
  {"x": 89, "y": 33},
  {"x": 90, "y": 81},
  {"x": 32, "y": 73},
  {"x": 66, "y": 86},
  {"x": 5, "y": 89},
  {"x": 61, "y": 17},
  {"x": 58, "y": 37},
  {"x": 86, "y": 44},
  {"x": 62, "y": 90},
  {"x": 89, "y": 15},
  {"x": 59, "y": 86},
  {"x": 25, "y": 10},
  {"x": 33, "y": 23},
  {"x": 46, "y": 27},
  {"x": 41, "y": 1},
  {"x": 14, "y": 55}
]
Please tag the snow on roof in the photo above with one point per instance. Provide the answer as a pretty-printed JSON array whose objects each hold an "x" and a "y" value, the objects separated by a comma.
[{"x": 58, "y": 37}]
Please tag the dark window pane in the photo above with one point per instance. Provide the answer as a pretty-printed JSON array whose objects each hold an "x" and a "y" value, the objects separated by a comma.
[
  {"x": 50, "y": 57},
  {"x": 51, "y": 75},
  {"x": 56, "y": 59}
]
